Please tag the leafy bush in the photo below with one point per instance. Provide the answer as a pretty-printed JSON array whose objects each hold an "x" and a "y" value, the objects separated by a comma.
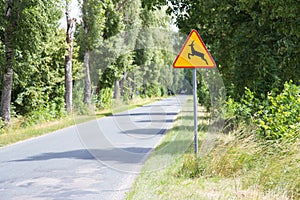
[
  {"x": 50, "y": 112},
  {"x": 203, "y": 95},
  {"x": 163, "y": 91},
  {"x": 104, "y": 99},
  {"x": 276, "y": 116},
  {"x": 244, "y": 110},
  {"x": 279, "y": 116},
  {"x": 153, "y": 91}
]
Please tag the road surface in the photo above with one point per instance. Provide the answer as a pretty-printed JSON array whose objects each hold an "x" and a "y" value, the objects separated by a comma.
[{"x": 95, "y": 160}]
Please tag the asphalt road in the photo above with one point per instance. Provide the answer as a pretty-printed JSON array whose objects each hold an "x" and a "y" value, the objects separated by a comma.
[{"x": 95, "y": 160}]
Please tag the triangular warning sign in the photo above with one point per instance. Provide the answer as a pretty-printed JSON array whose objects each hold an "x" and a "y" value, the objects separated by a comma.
[{"x": 194, "y": 54}]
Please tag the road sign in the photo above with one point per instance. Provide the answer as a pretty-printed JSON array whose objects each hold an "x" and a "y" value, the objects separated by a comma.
[{"x": 194, "y": 54}]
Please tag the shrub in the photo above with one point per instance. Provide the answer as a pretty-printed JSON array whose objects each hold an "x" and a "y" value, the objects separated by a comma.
[
  {"x": 49, "y": 112},
  {"x": 153, "y": 91},
  {"x": 203, "y": 95},
  {"x": 279, "y": 116},
  {"x": 276, "y": 115},
  {"x": 104, "y": 99}
]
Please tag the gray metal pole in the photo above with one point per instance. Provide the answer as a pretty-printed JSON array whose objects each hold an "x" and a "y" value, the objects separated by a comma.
[{"x": 195, "y": 111}]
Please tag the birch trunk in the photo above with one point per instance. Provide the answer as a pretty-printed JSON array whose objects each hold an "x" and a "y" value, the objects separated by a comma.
[
  {"x": 87, "y": 80},
  {"x": 117, "y": 89},
  {"x": 71, "y": 24},
  {"x": 8, "y": 67}
]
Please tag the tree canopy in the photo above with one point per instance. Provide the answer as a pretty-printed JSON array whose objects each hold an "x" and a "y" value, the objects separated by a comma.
[{"x": 255, "y": 43}]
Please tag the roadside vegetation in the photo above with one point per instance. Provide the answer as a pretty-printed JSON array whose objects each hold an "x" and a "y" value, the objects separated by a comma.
[{"x": 247, "y": 162}]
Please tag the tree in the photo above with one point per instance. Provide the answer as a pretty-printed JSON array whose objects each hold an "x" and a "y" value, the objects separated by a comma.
[
  {"x": 11, "y": 17},
  {"x": 254, "y": 42},
  {"x": 93, "y": 19},
  {"x": 149, "y": 59},
  {"x": 29, "y": 28},
  {"x": 71, "y": 24}
]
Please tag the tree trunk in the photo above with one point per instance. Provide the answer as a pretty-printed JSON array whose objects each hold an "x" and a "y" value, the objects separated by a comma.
[
  {"x": 132, "y": 93},
  {"x": 122, "y": 84},
  {"x": 8, "y": 68},
  {"x": 86, "y": 59},
  {"x": 87, "y": 80},
  {"x": 71, "y": 23},
  {"x": 117, "y": 89},
  {"x": 7, "y": 88}
]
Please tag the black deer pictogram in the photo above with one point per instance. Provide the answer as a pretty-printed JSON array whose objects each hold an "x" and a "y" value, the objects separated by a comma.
[{"x": 196, "y": 53}]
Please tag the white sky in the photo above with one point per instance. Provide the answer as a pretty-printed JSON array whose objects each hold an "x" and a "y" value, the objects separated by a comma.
[{"x": 75, "y": 12}]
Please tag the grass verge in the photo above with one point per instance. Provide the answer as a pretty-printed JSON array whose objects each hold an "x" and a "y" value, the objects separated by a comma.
[
  {"x": 15, "y": 132},
  {"x": 240, "y": 166}
]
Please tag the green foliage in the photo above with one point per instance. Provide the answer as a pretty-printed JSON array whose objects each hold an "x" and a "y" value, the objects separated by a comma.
[
  {"x": 279, "y": 116},
  {"x": 104, "y": 99},
  {"x": 153, "y": 4},
  {"x": 51, "y": 111},
  {"x": 255, "y": 42},
  {"x": 38, "y": 77},
  {"x": 93, "y": 19},
  {"x": 203, "y": 95},
  {"x": 241, "y": 112},
  {"x": 113, "y": 23},
  {"x": 39, "y": 52},
  {"x": 153, "y": 91},
  {"x": 79, "y": 107}
]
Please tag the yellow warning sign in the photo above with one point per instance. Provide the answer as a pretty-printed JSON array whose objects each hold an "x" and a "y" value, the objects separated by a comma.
[{"x": 194, "y": 54}]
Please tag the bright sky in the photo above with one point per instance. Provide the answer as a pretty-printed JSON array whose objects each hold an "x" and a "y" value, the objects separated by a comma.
[{"x": 75, "y": 12}]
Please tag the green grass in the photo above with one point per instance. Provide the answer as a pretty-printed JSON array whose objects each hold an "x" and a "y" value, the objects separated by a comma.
[
  {"x": 238, "y": 167},
  {"x": 15, "y": 132}
]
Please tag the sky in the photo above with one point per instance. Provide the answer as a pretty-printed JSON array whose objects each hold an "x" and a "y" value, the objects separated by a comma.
[{"x": 75, "y": 12}]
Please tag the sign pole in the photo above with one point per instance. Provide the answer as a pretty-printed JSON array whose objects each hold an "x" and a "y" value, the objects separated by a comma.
[
  {"x": 195, "y": 111},
  {"x": 194, "y": 54}
]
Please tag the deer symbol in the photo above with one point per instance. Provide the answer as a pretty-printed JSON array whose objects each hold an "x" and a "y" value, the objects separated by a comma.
[{"x": 196, "y": 53}]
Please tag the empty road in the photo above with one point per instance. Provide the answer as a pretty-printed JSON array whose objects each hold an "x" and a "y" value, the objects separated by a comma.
[{"x": 96, "y": 160}]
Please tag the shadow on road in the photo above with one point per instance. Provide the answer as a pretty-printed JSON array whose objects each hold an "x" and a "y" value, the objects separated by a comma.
[
  {"x": 123, "y": 155},
  {"x": 147, "y": 114},
  {"x": 129, "y": 155}
]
